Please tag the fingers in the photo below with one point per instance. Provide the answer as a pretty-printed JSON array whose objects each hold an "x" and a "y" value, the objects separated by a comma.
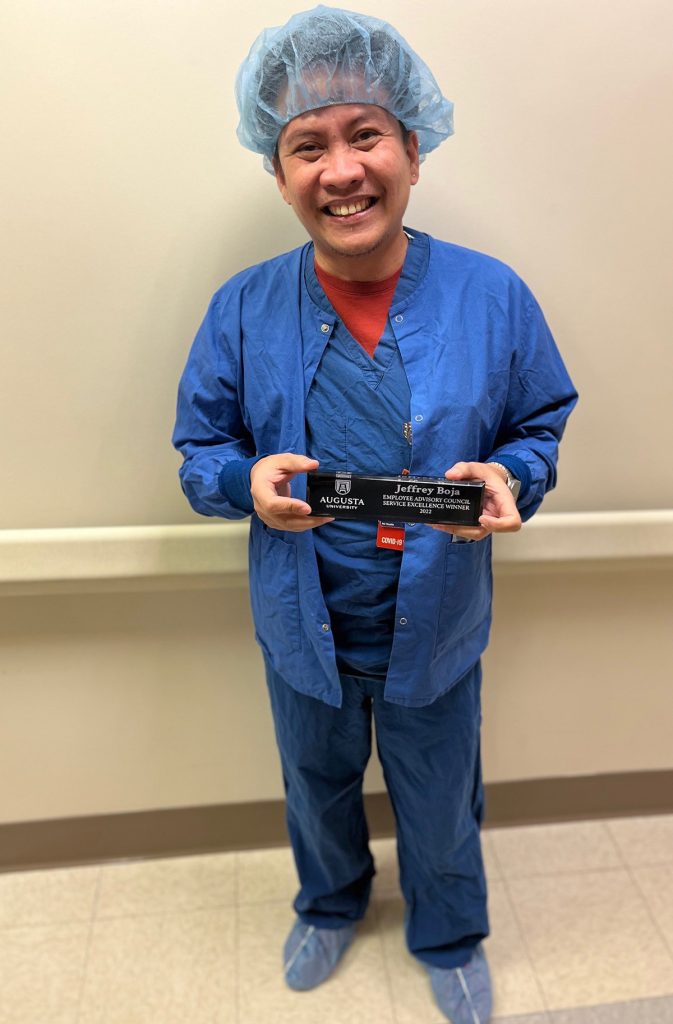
[
  {"x": 501, "y": 524},
  {"x": 293, "y": 523},
  {"x": 296, "y": 463},
  {"x": 311, "y": 523},
  {"x": 286, "y": 513},
  {"x": 466, "y": 532},
  {"x": 270, "y": 488},
  {"x": 275, "y": 471},
  {"x": 273, "y": 505},
  {"x": 460, "y": 471},
  {"x": 500, "y": 513},
  {"x": 282, "y": 467},
  {"x": 489, "y": 524}
]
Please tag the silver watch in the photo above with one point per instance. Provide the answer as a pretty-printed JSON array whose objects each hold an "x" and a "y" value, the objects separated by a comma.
[{"x": 511, "y": 481}]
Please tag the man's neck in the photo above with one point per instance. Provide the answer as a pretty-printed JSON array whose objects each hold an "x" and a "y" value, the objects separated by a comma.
[{"x": 372, "y": 266}]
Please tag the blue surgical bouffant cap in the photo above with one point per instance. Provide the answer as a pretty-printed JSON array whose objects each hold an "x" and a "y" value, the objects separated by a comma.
[{"x": 328, "y": 56}]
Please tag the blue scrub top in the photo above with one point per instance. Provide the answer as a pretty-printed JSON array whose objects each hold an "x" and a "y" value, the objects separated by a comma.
[
  {"x": 486, "y": 382},
  {"x": 356, "y": 411}
]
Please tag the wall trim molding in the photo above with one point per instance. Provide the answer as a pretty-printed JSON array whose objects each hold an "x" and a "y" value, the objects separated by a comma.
[
  {"x": 192, "y": 830},
  {"x": 211, "y": 555}
]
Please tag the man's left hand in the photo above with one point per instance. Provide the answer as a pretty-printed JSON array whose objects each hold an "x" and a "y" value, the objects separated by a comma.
[{"x": 500, "y": 514}]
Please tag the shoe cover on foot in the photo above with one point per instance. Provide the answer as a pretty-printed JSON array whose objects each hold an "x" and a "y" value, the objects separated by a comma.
[
  {"x": 311, "y": 954},
  {"x": 464, "y": 993}
]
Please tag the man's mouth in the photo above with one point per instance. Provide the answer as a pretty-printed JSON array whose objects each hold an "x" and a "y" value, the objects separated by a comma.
[{"x": 344, "y": 209}]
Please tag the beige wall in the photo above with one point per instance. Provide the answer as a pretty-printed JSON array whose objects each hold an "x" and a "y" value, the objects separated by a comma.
[
  {"x": 128, "y": 200},
  {"x": 140, "y": 701}
]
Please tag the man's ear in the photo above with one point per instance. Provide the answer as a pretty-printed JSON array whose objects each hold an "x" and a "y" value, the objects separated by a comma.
[
  {"x": 280, "y": 178},
  {"x": 412, "y": 153}
]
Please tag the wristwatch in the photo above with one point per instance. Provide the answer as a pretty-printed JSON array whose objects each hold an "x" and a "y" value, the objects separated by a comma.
[{"x": 511, "y": 481}]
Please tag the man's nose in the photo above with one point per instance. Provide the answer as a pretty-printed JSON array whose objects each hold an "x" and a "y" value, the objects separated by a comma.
[{"x": 343, "y": 168}]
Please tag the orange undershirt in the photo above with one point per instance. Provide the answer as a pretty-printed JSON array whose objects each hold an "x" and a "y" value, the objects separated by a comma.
[{"x": 362, "y": 305}]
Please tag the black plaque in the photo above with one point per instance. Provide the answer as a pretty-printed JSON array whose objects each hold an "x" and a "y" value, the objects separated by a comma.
[{"x": 405, "y": 499}]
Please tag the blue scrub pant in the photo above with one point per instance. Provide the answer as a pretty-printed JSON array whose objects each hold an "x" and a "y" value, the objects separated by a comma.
[{"x": 431, "y": 764}]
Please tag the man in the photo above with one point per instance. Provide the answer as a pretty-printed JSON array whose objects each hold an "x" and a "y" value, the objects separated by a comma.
[{"x": 374, "y": 348}]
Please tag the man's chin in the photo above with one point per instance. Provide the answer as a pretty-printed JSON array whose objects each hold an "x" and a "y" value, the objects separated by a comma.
[{"x": 352, "y": 248}]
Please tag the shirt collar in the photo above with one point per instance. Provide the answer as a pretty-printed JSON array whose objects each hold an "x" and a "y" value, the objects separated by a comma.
[{"x": 413, "y": 271}]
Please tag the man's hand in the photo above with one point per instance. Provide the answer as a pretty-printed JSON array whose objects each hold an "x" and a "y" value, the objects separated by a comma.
[
  {"x": 270, "y": 489},
  {"x": 500, "y": 513}
]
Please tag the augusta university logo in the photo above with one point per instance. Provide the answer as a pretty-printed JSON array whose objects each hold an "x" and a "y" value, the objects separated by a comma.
[{"x": 342, "y": 486}]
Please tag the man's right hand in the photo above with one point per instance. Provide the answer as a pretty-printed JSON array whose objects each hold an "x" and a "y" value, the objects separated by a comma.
[{"x": 270, "y": 490}]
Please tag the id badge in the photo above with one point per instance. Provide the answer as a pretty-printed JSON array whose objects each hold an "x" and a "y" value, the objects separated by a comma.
[{"x": 390, "y": 536}]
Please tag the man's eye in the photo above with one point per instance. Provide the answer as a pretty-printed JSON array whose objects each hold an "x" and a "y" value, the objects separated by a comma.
[
  {"x": 366, "y": 135},
  {"x": 308, "y": 148}
]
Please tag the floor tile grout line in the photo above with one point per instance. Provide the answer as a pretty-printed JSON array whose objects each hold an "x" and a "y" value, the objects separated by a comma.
[
  {"x": 238, "y": 1008},
  {"x": 562, "y": 874},
  {"x": 650, "y": 912},
  {"x": 584, "y": 1007},
  {"x": 615, "y": 845},
  {"x": 496, "y": 857},
  {"x": 204, "y": 908},
  {"x": 237, "y": 982},
  {"x": 630, "y": 870},
  {"x": 524, "y": 943},
  {"x": 567, "y": 873},
  {"x": 493, "y": 856},
  {"x": 237, "y": 925},
  {"x": 237, "y": 877},
  {"x": 89, "y": 943},
  {"x": 503, "y": 879},
  {"x": 397, "y": 895},
  {"x": 625, "y": 860},
  {"x": 374, "y": 909}
]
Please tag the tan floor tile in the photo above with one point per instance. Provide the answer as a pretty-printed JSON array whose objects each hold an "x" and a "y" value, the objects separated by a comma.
[
  {"x": 409, "y": 982},
  {"x": 514, "y": 984},
  {"x": 590, "y": 938},
  {"x": 47, "y": 897},
  {"x": 656, "y": 884},
  {"x": 386, "y": 880},
  {"x": 41, "y": 973},
  {"x": 552, "y": 849},
  {"x": 265, "y": 875},
  {"x": 515, "y": 987},
  {"x": 644, "y": 840},
  {"x": 162, "y": 970},
  {"x": 528, "y": 1018},
  {"x": 173, "y": 885},
  {"x": 357, "y": 993}
]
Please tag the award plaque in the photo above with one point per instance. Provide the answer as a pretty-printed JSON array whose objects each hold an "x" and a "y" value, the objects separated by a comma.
[{"x": 405, "y": 499}]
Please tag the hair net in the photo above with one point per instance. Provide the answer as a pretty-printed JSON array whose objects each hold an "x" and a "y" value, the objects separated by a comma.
[{"x": 327, "y": 56}]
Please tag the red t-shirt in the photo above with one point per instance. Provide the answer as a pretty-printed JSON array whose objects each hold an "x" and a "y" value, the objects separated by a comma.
[{"x": 362, "y": 305}]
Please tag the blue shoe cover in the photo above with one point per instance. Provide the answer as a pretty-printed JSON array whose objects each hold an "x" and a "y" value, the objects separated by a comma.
[
  {"x": 464, "y": 993},
  {"x": 311, "y": 954}
]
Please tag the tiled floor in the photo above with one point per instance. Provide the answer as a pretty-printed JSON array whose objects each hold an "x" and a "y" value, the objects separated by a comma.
[{"x": 582, "y": 933}]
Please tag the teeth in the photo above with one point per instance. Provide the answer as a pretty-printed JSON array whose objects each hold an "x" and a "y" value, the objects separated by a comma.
[{"x": 346, "y": 211}]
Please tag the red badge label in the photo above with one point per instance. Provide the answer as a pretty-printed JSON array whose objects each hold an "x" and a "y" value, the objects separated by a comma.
[{"x": 390, "y": 536}]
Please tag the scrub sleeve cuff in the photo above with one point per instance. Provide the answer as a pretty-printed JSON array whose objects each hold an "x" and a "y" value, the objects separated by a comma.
[{"x": 234, "y": 483}]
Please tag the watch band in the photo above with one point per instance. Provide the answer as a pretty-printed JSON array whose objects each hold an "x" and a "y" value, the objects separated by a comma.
[{"x": 512, "y": 482}]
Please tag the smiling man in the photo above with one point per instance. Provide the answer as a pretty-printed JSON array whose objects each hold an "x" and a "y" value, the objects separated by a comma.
[
  {"x": 376, "y": 349},
  {"x": 352, "y": 204}
]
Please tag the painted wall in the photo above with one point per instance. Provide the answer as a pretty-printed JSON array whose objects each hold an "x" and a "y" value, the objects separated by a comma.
[
  {"x": 127, "y": 201},
  {"x": 139, "y": 701}
]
